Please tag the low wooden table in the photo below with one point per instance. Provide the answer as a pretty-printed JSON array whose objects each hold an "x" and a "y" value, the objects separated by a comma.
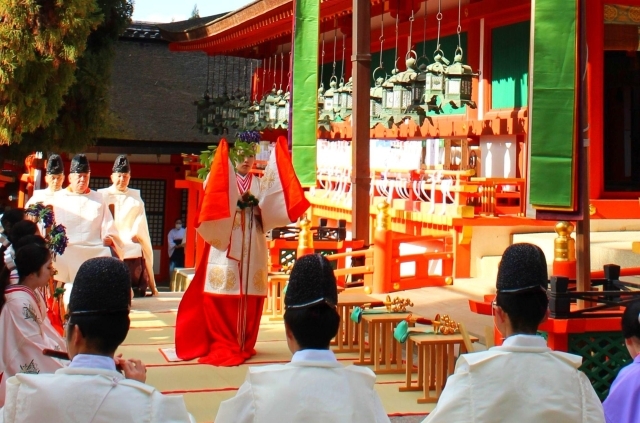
[
  {"x": 275, "y": 298},
  {"x": 348, "y": 336},
  {"x": 436, "y": 362},
  {"x": 384, "y": 353}
]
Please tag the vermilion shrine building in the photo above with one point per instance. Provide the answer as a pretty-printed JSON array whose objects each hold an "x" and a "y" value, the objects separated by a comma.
[{"x": 494, "y": 140}]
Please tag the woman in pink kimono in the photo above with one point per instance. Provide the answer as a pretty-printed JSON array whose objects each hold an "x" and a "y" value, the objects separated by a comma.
[{"x": 25, "y": 327}]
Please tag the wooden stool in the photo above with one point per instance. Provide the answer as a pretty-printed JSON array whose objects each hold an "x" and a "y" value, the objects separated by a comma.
[
  {"x": 384, "y": 353},
  {"x": 181, "y": 279},
  {"x": 436, "y": 355},
  {"x": 348, "y": 336},
  {"x": 275, "y": 298}
]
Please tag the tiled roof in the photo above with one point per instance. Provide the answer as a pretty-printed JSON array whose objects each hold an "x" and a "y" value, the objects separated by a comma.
[{"x": 189, "y": 24}]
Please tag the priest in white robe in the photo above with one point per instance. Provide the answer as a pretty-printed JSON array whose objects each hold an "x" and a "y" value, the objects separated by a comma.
[
  {"x": 314, "y": 387},
  {"x": 54, "y": 177},
  {"x": 88, "y": 221},
  {"x": 523, "y": 380},
  {"x": 25, "y": 327},
  {"x": 130, "y": 220},
  {"x": 230, "y": 283},
  {"x": 91, "y": 389}
]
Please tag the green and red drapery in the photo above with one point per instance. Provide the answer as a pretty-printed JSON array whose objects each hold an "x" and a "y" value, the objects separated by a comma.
[
  {"x": 303, "y": 120},
  {"x": 553, "y": 109}
]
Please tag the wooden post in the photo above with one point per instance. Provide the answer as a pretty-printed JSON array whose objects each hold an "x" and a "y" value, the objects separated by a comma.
[
  {"x": 361, "y": 65},
  {"x": 583, "y": 235},
  {"x": 305, "y": 238},
  {"x": 382, "y": 250},
  {"x": 564, "y": 251}
]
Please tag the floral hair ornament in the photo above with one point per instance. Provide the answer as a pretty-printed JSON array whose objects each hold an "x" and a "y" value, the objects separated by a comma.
[{"x": 56, "y": 235}]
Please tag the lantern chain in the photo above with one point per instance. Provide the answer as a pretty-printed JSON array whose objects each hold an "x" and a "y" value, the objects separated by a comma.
[
  {"x": 250, "y": 81},
  {"x": 411, "y": 19},
  {"x": 459, "y": 28},
  {"x": 344, "y": 49},
  {"x": 439, "y": 18},
  {"x": 335, "y": 42},
  {"x": 244, "y": 81},
  {"x": 381, "y": 37},
  {"x": 289, "y": 73},
  {"x": 424, "y": 31},
  {"x": 395, "y": 62},
  {"x": 281, "y": 68},
  {"x": 322, "y": 66},
  {"x": 275, "y": 70},
  {"x": 264, "y": 75}
]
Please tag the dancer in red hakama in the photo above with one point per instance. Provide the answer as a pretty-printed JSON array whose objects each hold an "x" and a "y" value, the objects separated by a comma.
[{"x": 219, "y": 316}]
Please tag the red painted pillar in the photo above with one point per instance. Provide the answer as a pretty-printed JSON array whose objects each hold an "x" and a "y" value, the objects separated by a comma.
[{"x": 192, "y": 220}]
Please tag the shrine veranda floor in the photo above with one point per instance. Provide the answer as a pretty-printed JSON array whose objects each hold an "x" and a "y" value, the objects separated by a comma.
[{"x": 204, "y": 386}]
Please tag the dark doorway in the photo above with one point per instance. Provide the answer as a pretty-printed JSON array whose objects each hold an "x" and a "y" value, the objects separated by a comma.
[{"x": 621, "y": 110}]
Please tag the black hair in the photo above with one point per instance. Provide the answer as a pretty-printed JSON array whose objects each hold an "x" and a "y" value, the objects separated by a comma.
[
  {"x": 22, "y": 229},
  {"x": 525, "y": 311},
  {"x": 313, "y": 327},
  {"x": 29, "y": 239},
  {"x": 29, "y": 259},
  {"x": 10, "y": 218},
  {"x": 102, "y": 333},
  {"x": 630, "y": 322}
]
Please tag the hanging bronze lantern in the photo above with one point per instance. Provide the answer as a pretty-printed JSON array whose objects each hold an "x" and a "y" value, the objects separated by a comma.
[
  {"x": 403, "y": 90},
  {"x": 459, "y": 83},
  {"x": 271, "y": 106},
  {"x": 282, "y": 112},
  {"x": 345, "y": 103},
  {"x": 330, "y": 100},
  {"x": 434, "y": 89},
  {"x": 320, "y": 99},
  {"x": 375, "y": 102}
]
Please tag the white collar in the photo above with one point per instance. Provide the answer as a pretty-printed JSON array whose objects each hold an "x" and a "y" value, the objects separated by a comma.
[
  {"x": 314, "y": 355},
  {"x": 114, "y": 190},
  {"x": 89, "y": 361},
  {"x": 524, "y": 343}
]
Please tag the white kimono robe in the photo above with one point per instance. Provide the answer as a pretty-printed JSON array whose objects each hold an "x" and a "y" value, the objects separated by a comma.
[
  {"x": 88, "y": 222},
  {"x": 521, "y": 381},
  {"x": 44, "y": 196},
  {"x": 313, "y": 388},
  {"x": 26, "y": 331},
  {"x": 88, "y": 395},
  {"x": 247, "y": 253},
  {"x": 130, "y": 219}
]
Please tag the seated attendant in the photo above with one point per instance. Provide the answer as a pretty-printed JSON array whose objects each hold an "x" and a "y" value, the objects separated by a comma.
[
  {"x": 314, "y": 386},
  {"x": 623, "y": 402},
  {"x": 25, "y": 327},
  {"x": 91, "y": 389},
  {"x": 523, "y": 380}
]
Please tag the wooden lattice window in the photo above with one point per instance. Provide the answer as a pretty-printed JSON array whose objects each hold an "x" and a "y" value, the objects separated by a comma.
[{"x": 152, "y": 192}]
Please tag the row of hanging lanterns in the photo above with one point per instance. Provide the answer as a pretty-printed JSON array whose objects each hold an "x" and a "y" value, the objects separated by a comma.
[
  {"x": 223, "y": 113},
  {"x": 395, "y": 98},
  {"x": 421, "y": 89}
]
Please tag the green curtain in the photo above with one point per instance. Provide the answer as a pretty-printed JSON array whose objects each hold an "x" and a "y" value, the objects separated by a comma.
[
  {"x": 510, "y": 66},
  {"x": 304, "y": 107},
  {"x": 553, "y": 163}
]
